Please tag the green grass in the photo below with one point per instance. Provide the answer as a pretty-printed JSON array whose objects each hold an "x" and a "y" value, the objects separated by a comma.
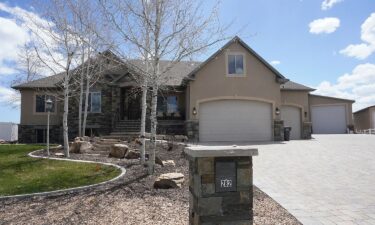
[{"x": 21, "y": 174}]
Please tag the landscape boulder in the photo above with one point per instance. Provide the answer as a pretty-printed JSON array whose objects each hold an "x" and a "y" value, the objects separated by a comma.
[
  {"x": 169, "y": 180},
  {"x": 168, "y": 163},
  {"x": 132, "y": 154},
  {"x": 80, "y": 146},
  {"x": 118, "y": 151}
]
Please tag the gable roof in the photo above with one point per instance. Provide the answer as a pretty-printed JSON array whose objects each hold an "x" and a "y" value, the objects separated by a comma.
[
  {"x": 334, "y": 98},
  {"x": 280, "y": 78},
  {"x": 293, "y": 86}
]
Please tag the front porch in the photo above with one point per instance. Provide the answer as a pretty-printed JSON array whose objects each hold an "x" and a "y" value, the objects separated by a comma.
[{"x": 170, "y": 112}]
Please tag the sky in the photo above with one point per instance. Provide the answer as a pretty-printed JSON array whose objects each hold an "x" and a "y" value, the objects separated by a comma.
[{"x": 325, "y": 44}]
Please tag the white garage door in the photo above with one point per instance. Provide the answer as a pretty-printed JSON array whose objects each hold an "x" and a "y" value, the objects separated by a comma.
[
  {"x": 235, "y": 120},
  {"x": 330, "y": 119},
  {"x": 292, "y": 118}
]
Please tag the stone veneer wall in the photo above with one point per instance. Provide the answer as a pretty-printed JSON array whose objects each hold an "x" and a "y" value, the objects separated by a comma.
[
  {"x": 103, "y": 121},
  {"x": 209, "y": 207},
  {"x": 192, "y": 130},
  {"x": 27, "y": 133},
  {"x": 306, "y": 130},
  {"x": 278, "y": 130}
]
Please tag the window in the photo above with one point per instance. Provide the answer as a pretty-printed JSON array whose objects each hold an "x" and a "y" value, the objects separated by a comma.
[
  {"x": 40, "y": 103},
  {"x": 236, "y": 64},
  {"x": 94, "y": 102},
  {"x": 167, "y": 106}
]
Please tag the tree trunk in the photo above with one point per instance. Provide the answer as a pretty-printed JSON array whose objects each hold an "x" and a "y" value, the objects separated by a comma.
[
  {"x": 86, "y": 105},
  {"x": 65, "y": 116},
  {"x": 154, "y": 100},
  {"x": 80, "y": 107},
  {"x": 143, "y": 123}
]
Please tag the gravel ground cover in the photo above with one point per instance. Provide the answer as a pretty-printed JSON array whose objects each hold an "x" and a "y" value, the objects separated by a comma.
[{"x": 129, "y": 201}]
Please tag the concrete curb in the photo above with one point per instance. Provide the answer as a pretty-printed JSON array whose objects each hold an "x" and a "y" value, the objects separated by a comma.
[{"x": 68, "y": 190}]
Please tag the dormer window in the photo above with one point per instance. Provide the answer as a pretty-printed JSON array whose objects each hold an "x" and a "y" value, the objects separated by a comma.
[{"x": 236, "y": 64}]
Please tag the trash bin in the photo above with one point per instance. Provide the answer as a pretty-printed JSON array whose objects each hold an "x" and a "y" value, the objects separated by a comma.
[{"x": 287, "y": 133}]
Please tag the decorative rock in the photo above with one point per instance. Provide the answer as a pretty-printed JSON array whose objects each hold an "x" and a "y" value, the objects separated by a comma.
[
  {"x": 2, "y": 141},
  {"x": 181, "y": 138},
  {"x": 80, "y": 146},
  {"x": 158, "y": 160},
  {"x": 118, "y": 151},
  {"x": 85, "y": 147},
  {"x": 169, "y": 180},
  {"x": 168, "y": 163},
  {"x": 131, "y": 154},
  {"x": 59, "y": 154}
]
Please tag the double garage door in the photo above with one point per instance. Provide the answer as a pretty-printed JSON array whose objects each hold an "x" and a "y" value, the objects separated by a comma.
[
  {"x": 328, "y": 119},
  {"x": 235, "y": 120}
]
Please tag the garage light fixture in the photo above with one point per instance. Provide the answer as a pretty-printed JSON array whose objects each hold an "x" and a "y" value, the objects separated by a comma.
[
  {"x": 277, "y": 111},
  {"x": 194, "y": 111}
]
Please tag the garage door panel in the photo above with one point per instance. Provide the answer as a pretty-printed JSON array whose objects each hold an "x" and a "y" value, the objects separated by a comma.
[
  {"x": 292, "y": 118},
  {"x": 235, "y": 120},
  {"x": 330, "y": 119}
]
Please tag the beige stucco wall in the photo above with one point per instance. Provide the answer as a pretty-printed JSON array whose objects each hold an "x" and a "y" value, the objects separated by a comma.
[
  {"x": 364, "y": 119},
  {"x": 30, "y": 117},
  {"x": 212, "y": 83},
  {"x": 320, "y": 100},
  {"x": 299, "y": 99}
]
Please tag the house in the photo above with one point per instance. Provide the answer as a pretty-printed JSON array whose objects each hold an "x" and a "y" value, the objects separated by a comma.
[
  {"x": 234, "y": 95},
  {"x": 364, "y": 119},
  {"x": 8, "y": 131}
]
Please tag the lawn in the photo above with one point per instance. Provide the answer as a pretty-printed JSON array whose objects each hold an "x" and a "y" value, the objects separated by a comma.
[{"x": 21, "y": 174}]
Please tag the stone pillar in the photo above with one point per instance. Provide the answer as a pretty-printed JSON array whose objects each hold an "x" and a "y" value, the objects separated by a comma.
[
  {"x": 220, "y": 185},
  {"x": 192, "y": 130},
  {"x": 306, "y": 130},
  {"x": 278, "y": 130}
]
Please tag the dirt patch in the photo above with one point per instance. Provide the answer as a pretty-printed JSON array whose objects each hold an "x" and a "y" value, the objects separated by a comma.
[{"x": 130, "y": 201}]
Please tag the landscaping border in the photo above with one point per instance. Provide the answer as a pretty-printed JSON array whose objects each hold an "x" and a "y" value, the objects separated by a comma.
[{"x": 67, "y": 190}]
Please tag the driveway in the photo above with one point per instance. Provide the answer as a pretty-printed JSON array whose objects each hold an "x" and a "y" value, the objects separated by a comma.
[{"x": 327, "y": 180}]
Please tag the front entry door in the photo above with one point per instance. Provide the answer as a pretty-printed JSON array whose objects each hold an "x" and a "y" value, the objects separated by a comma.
[{"x": 132, "y": 105}]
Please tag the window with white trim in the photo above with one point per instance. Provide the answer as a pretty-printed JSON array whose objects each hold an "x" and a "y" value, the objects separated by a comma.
[{"x": 236, "y": 65}]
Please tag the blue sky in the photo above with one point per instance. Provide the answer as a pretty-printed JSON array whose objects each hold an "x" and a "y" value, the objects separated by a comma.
[{"x": 279, "y": 30}]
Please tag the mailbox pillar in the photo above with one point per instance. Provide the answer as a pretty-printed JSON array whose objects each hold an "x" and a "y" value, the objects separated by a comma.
[{"x": 220, "y": 185}]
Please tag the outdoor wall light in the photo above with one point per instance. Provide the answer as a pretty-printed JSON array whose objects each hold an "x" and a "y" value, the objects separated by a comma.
[
  {"x": 277, "y": 111},
  {"x": 194, "y": 111},
  {"x": 305, "y": 114}
]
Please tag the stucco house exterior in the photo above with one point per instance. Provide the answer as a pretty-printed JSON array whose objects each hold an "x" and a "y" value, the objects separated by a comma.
[
  {"x": 364, "y": 119},
  {"x": 235, "y": 95}
]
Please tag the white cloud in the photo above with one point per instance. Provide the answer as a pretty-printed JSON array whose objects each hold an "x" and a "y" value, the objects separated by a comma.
[
  {"x": 326, "y": 25},
  {"x": 365, "y": 49},
  {"x": 327, "y": 4},
  {"x": 9, "y": 96},
  {"x": 358, "y": 85},
  {"x": 275, "y": 62}
]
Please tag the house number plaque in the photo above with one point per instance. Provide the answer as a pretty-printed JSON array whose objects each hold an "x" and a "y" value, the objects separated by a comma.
[{"x": 225, "y": 176}]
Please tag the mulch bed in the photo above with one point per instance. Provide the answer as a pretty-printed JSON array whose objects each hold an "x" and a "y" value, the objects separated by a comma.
[{"x": 130, "y": 201}]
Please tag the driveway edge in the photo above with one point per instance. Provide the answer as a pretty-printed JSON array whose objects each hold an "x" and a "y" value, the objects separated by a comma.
[{"x": 68, "y": 190}]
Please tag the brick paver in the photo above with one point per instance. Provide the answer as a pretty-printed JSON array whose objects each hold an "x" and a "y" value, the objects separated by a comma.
[{"x": 327, "y": 180}]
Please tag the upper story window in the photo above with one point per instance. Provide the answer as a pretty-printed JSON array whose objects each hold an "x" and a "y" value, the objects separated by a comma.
[
  {"x": 236, "y": 65},
  {"x": 95, "y": 102},
  {"x": 40, "y": 103}
]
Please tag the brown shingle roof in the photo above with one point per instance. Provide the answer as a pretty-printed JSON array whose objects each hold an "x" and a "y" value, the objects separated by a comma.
[
  {"x": 46, "y": 82},
  {"x": 290, "y": 85}
]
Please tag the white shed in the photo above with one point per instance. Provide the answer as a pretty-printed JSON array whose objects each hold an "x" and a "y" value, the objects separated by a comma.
[{"x": 8, "y": 131}]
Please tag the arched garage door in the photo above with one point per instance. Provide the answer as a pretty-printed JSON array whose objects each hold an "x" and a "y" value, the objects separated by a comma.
[
  {"x": 328, "y": 119},
  {"x": 235, "y": 120},
  {"x": 292, "y": 118}
]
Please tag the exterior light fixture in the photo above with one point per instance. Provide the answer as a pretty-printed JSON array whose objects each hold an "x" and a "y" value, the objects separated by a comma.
[
  {"x": 49, "y": 105},
  {"x": 277, "y": 111},
  {"x": 194, "y": 111},
  {"x": 305, "y": 114}
]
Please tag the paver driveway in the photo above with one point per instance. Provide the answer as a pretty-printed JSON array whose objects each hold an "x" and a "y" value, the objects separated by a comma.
[{"x": 327, "y": 180}]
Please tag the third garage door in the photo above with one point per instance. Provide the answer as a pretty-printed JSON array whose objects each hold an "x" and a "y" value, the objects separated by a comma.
[
  {"x": 235, "y": 120},
  {"x": 330, "y": 119}
]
